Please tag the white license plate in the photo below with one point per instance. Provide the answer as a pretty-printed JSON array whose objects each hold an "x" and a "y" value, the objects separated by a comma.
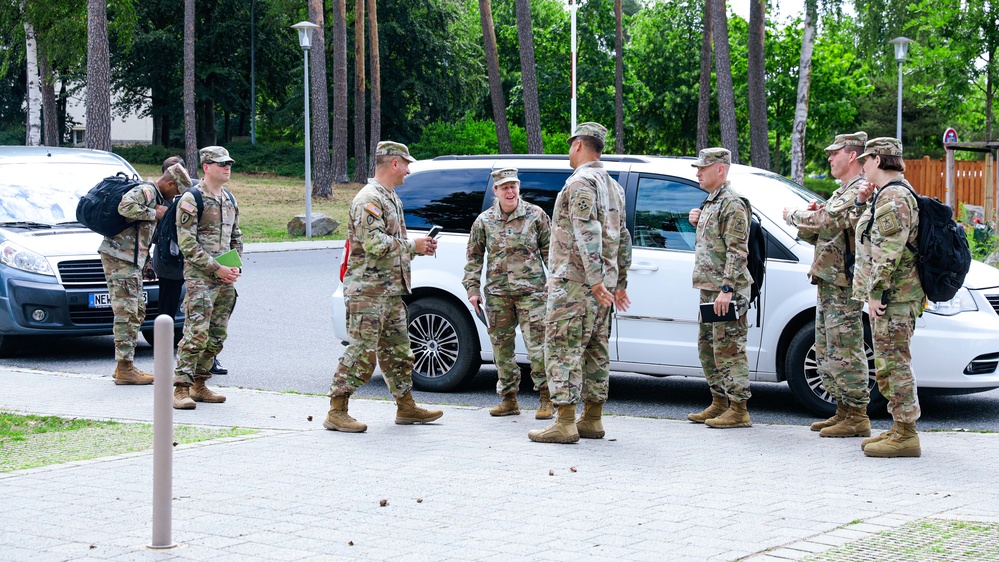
[{"x": 103, "y": 300}]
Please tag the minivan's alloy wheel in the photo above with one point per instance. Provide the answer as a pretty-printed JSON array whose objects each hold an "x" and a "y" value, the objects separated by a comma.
[
  {"x": 445, "y": 350},
  {"x": 801, "y": 369}
]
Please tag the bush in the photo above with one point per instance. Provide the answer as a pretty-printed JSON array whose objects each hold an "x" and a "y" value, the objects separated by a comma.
[
  {"x": 279, "y": 159},
  {"x": 473, "y": 136},
  {"x": 824, "y": 187},
  {"x": 151, "y": 154},
  {"x": 13, "y": 136}
]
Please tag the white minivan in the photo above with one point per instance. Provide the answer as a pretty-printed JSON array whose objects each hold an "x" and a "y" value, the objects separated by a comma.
[{"x": 955, "y": 346}]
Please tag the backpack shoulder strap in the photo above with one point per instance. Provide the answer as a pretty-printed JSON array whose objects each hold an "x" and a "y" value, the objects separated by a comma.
[{"x": 199, "y": 200}]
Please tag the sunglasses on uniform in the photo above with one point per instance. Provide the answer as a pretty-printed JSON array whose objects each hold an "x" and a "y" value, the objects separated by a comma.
[{"x": 223, "y": 164}]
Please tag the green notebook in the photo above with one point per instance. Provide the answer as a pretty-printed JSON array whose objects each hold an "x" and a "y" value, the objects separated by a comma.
[{"x": 230, "y": 259}]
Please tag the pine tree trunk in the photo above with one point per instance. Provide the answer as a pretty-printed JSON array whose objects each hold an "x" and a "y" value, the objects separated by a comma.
[
  {"x": 190, "y": 129},
  {"x": 360, "y": 139},
  {"x": 319, "y": 106},
  {"x": 98, "y": 77},
  {"x": 50, "y": 118},
  {"x": 33, "y": 128},
  {"x": 723, "y": 76},
  {"x": 495, "y": 84},
  {"x": 376, "y": 85},
  {"x": 704, "y": 93},
  {"x": 529, "y": 78},
  {"x": 801, "y": 106},
  {"x": 340, "y": 93},
  {"x": 619, "y": 79},
  {"x": 759, "y": 133}
]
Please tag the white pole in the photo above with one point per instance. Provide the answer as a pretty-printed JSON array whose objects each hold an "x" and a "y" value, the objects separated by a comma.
[
  {"x": 898, "y": 126},
  {"x": 572, "y": 70},
  {"x": 308, "y": 154},
  {"x": 162, "y": 433}
]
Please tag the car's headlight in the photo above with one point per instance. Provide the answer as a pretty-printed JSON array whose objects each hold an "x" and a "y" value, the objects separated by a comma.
[
  {"x": 962, "y": 302},
  {"x": 17, "y": 257}
]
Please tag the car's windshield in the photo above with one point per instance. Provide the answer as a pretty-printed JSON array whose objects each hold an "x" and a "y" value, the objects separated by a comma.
[
  {"x": 770, "y": 193},
  {"x": 47, "y": 193}
]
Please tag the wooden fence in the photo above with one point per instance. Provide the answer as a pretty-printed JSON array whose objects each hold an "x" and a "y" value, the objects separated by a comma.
[{"x": 928, "y": 177}]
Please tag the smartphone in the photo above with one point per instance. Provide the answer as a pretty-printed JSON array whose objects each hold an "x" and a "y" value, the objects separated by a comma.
[{"x": 435, "y": 230}]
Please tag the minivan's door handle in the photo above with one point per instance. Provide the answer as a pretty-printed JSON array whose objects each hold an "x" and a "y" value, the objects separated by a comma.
[{"x": 643, "y": 267}]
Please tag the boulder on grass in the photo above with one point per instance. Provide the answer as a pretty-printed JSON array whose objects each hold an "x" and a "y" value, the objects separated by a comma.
[{"x": 321, "y": 225}]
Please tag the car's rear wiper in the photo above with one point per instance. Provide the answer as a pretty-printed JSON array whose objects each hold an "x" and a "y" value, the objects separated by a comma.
[{"x": 25, "y": 224}]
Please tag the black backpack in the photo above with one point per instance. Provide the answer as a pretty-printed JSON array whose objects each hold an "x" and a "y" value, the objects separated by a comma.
[
  {"x": 757, "y": 264},
  {"x": 168, "y": 260},
  {"x": 943, "y": 256},
  {"x": 98, "y": 209}
]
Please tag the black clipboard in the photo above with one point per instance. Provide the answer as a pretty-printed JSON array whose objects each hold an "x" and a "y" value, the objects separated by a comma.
[
  {"x": 708, "y": 313},
  {"x": 483, "y": 313}
]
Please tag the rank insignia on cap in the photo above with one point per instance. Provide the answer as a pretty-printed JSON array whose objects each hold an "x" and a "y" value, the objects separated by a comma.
[{"x": 373, "y": 209}]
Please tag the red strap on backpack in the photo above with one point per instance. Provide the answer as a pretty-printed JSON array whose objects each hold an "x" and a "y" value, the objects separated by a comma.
[{"x": 343, "y": 264}]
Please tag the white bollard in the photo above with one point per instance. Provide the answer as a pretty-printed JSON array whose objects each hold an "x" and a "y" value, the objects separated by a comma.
[{"x": 163, "y": 433}]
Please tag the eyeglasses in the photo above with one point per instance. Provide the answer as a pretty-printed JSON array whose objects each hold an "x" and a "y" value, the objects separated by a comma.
[{"x": 224, "y": 164}]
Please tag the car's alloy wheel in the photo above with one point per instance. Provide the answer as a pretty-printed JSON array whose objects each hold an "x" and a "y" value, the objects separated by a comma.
[{"x": 444, "y": 346}]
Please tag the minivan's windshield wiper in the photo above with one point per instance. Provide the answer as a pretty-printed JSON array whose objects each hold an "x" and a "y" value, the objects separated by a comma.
[{"x": 25, "y": 224}]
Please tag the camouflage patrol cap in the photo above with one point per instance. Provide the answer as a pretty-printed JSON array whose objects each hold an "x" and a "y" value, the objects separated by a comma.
[
  {"x": 710, "y": 156},
  {"x": 882, "y": 146},
  {"x": 214, "y": 154},
  {"x": 855, "y": 139},
  {"x": 389, "y": 148},
  {"x": 589, "y": 129},
  {"x": 505, "y": 175},
  {"x": 179, "y": 174}
]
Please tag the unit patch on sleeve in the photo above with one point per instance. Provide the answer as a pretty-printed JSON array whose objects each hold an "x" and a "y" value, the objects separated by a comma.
[
  {"x": 887, "y": 220},
  {"x": 582, "y": 204}
]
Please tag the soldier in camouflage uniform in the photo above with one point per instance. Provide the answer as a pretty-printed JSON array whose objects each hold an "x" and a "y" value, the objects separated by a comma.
[
  {"x": 515, "y": 234},
  {"x": 839, "y": 321},
  {"x": 123, "y": 257},
  {"x": 721, "y": 256},
  {"x": 887, "y": 280},
  {"x": 211, "y": 293},
  {"x": 377, "y": 278},
  {"x": 589, "y": 260}
]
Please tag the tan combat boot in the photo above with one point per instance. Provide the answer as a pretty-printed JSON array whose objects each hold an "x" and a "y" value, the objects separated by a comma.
[
  {"x": 854, "y": 424},
  {"x": 201, "y": 393},
  {"x": 182, "y": 398},
  {"x": 719, "y": 404},
  {"x": 589, "y": 425},
  {"x": 903, "y": 443},
  {"x": 735, "y": 416},
  {"x": 562, "y": 431},
  {"x": 545, "y": 408},
  {"x": 407, "y": 412},
  {"x": 337, "y": 418},
  {"x": 835, "y": 419},
  {"x": 127, "y": 373},
  {"x": 884, "y": 435},
  {"x": 508, "y": 407}
]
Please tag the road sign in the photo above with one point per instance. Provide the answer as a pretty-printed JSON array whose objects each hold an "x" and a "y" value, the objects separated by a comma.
[{"x": 950, "y": 136}]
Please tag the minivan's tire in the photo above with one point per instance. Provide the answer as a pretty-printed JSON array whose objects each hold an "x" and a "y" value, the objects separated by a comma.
[
  {"x": 805, "y": 383},
  {"x": 8, "y": 345},
  {"x": 444, "y": 344},
  {"x": 149, "y": 336}
]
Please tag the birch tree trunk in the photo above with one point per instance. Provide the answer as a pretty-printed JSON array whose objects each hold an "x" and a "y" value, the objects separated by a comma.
[
  {"x": 360, "y": 140},
  {"x": 319, "y": 105},
  {"x": 801, "y": 105},
  {"x": 495, "y": 85},
  {"x": 375, "y": 131},
  {"x": 33, "y": 127},
  {"x": 340, "y": 92},
  {"x": 98, "y": 77},
  {"x": 723, "y": 77},
  {"x": 759, "y": 132},
  {"x": 704, "y": 93},
  {"x": 529, "y": 78}
]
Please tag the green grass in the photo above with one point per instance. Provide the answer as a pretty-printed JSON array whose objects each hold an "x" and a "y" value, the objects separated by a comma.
[
  {"x": 267, "y": 202},
  {"x": 28, "y": 441}
]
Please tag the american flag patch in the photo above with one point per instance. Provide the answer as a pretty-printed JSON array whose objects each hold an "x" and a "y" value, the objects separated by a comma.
[
  {"x": 373, "y": 209},
  {"x": 188, "y": 207}
]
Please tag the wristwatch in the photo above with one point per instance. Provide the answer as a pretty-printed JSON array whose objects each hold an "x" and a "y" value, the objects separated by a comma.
[{"x": 726, "y": 289}]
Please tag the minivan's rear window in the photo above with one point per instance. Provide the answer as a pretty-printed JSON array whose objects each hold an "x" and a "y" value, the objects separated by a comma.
[{"x": 450, "y": 198}]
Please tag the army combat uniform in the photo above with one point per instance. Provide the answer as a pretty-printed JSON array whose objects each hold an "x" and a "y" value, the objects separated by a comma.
[
  {"x": 209, "y": 301},
  {"x": 721, "y": 256},
  {"x": 887, "y": 272},
  {"x": 517, "y": 246},
  {"x": 839, "y": 323}
]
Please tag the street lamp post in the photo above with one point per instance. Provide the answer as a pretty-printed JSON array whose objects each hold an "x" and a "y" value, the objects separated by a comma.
[
  {"x": 304, "y": 29},
  {"x": 901, "y": 49}
]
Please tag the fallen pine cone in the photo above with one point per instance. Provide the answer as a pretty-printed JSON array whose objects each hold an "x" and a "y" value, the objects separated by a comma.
[{"x": 383, "y": 503}]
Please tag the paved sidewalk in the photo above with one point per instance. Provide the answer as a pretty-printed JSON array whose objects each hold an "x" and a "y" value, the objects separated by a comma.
[{"x": 469, "y": 487}]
